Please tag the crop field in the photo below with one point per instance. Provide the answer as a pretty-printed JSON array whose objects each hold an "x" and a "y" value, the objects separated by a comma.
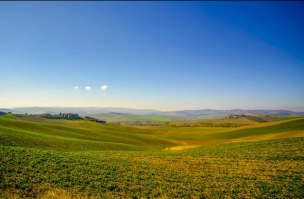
[
  {"x": 81, "y": 159},
  {"x": 112, "y": 117},
  {"x": 80, "y": 136},
  {"x": 211, "y": 116},
  {"x": 227, "y": 122},
  {"x": 8, "y": 117},
  {"x": 289, "y": 117}
]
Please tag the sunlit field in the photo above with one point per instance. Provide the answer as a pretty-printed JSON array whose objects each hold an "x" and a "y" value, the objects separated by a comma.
[{"x": 81, "y": 159}]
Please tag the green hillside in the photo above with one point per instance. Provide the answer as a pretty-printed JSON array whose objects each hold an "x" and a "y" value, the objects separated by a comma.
[
  {"x": 82, "y": 159},
  {"x": 211, "y": 116},
  {"x": 265, "y": 169},
  {"x": 8, "y": 116},
  {"x": 289, "y": 117},
  {"x": 189, "y": 137},
  {"x": 85, "y": 136},
  {"x": 90, "y": 136},
  {"x": 113, "y": 117},
  {"x": 277, "y": 127}
]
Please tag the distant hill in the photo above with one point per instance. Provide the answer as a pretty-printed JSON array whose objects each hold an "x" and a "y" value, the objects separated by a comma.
[
  {"x": 76, "y": 136},
  {"x": 114, "y": 117},
  {"x": 80, "y": 110},
  {"x": 77, "y": 159},
  {"x": 165, "y": 115},
  {"x": 211, "y": 114},
  {"x": 5, "y": 110}
]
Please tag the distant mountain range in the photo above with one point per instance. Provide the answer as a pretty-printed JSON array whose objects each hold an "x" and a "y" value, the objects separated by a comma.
[
  {"x": 79, "y": 110},
  {"x": 183, "y": 113},
  {"x": 197, "y": 113}
]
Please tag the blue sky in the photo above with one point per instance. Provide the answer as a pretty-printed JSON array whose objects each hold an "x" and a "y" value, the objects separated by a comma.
[{"x": 159, "y": 55}]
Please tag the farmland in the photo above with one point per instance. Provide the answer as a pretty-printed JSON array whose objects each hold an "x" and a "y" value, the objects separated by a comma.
[
  {"x": 114, "y": 117},
  {"x": 81, "y": 159}
]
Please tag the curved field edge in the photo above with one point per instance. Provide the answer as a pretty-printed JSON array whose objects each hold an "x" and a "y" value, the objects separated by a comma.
[
  {"x": 190, "y": 137},
  {"x": 269, "y": 128},
  {"x": 87, "y": 136},
  {"x": 263, "y": 169},
  {"x": 110, "y": 117}
]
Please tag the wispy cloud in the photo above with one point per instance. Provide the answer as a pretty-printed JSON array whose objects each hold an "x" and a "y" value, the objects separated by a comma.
[
  {"x": 105, "y": 87},
  {"x": 76, "y": 87},
  {"x": 88, "y": 88},
  {"x": 1, "y": 99}
]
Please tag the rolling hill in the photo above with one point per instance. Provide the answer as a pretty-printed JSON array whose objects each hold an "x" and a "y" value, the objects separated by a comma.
[
  {"x": 81, "y": 136},
  {"x": 81, "y": 159},
  {"x": 182, "y": 114},
  {"x": 114, "y": 117}
]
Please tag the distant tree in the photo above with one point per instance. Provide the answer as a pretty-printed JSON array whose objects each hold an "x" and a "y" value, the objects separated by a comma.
[{"x": 60, "y": 113}]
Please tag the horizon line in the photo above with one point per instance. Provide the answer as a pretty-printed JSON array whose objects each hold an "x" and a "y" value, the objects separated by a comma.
[{"x": 153, "y": 109}]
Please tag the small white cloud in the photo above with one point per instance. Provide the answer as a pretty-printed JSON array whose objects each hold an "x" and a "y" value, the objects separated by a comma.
[
  {"x": 76, "y": 87},
  {"x": 88, "y": 88},
  {"x": 105, "y": 87},
  {"x": 1, "y": 99}
]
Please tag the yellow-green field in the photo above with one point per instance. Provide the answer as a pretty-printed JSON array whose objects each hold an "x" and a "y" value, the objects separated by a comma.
[
  {"x": 113, "y": 117},
  {"x": 43, "y": 158}
]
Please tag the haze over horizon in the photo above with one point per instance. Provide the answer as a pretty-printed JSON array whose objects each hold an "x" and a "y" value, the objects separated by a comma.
[
  {"x": 152, "y": 55},
  {"x": 295, "y": 109}
]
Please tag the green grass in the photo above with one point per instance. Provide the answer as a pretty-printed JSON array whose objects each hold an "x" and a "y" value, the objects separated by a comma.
[
  {"x": 211, "y": 116},
  {"x": 262, "y": 118},
  {"x": 293, "y": 125},
  {"x": 266, "y": 169},
  {"x": 8, "y": 116},
  {"x": 81, "y": 159},
  {"x": 85, "y": 136},
  {"x": 201, "y": 136},
  {"x": 224, "y": 121},
  {"x": 288, "y": 117}
]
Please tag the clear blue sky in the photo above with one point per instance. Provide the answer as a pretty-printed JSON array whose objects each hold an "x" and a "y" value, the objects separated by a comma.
[{"x": 159, "y": 55}]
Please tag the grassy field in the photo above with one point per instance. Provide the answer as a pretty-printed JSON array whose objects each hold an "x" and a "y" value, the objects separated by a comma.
[
  {"x": 81, "y": 159},
  {"x": 75, "y": 136},
  {"x": 226, "y": 122},
  {"x": 187, "y": 137},
  {"x": 289, "y": 117},
  {"x": 8, "y": 116},
  {"x": 211, "y": 116},
  {"x": 113, "y": 117}
]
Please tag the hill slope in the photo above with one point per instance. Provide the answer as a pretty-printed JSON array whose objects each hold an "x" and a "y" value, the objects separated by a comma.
[
  {"x": 80, "y": 159},
  {"x": 86, "y": 136},
  {"x": 114, "y": 117},
  {"x": 265, "y": 169},
  {"x": 187, "y": 137},
  {"x": 82, "y": 135}
]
